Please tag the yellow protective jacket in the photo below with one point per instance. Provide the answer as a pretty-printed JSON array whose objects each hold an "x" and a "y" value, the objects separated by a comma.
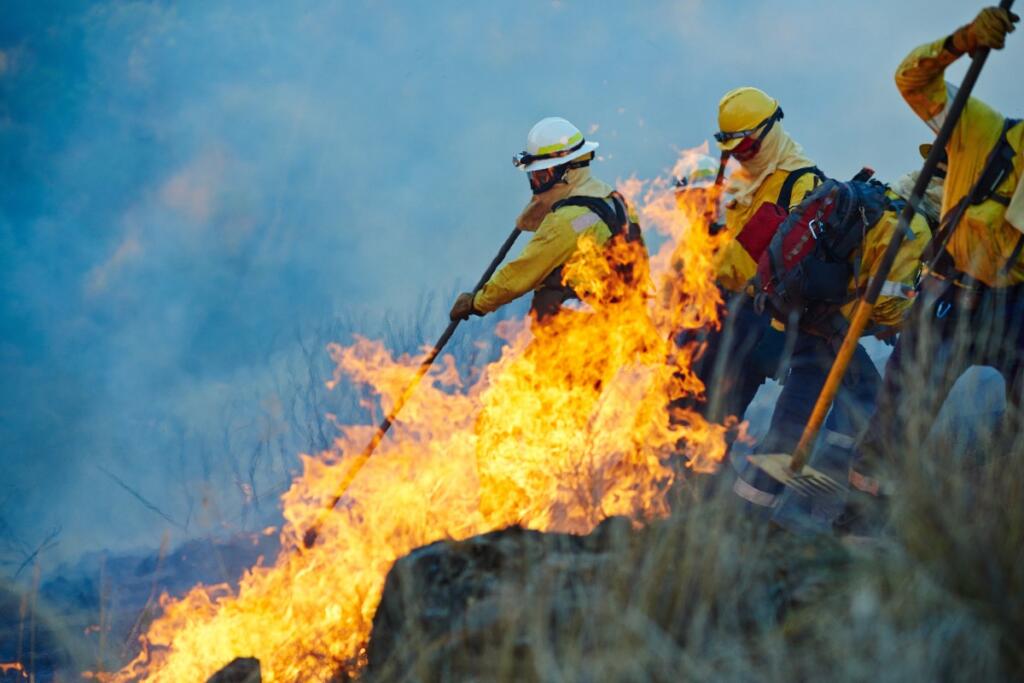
[
  {"x": 734, "y": 266},
  {"x": 553, "y": 244},
  {"x": 898, "y": 290},
  {"x": 983, "y": 241}
]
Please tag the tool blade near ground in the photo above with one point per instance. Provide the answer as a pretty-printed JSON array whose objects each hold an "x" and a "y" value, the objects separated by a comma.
[{"x": 809, "y": 482}]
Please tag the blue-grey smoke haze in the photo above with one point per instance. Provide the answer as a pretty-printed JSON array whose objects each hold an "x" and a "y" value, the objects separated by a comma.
[{"x": 187, "y": 189}]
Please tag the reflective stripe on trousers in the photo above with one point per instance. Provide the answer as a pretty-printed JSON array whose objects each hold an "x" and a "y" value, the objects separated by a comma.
[{"x": 753, "y": 495}]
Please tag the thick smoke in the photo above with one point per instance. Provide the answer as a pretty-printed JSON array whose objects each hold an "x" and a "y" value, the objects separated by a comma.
[{"x": 195, "y": 197}]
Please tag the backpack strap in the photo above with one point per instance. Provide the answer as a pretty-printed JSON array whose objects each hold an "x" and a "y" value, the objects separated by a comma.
[
  {"x": 864, "y": 174},
  {"x": 994, "y": 175},
  {"x": 997, "y": 166},
  {"x": 632, "y": 228},
  {"x": 608, "y": 213},
  {"x": 786, "y": 193},
  {"x": 611, "y": 210},
  {"x": 614, "y": 213}
]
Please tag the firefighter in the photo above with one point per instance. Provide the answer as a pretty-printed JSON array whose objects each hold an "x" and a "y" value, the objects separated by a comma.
[
  {"x": 970, "y": 305},
  {"x": 568, "y": 204},
  {"x": 568, "y": 213},
  {"x": 774, "y": 175},
  {"x": 814, "y": 272}
]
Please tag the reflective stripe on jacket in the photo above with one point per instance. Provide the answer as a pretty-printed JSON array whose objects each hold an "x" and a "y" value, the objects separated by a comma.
[{"x": 983, "y": 242}]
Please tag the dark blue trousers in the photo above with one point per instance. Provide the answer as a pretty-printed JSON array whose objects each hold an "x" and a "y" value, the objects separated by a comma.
[{"x": 948, "y": 330}]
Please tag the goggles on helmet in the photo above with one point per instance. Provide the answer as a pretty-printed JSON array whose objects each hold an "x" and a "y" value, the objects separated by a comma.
[
  {"x": 525, "y": 158},
  {"x": 722, "y": 136}
]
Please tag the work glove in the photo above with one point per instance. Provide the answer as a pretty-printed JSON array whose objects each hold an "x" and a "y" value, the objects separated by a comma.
[
  {"x": 463, "y": 307},
  {"x": 988, "y": 29}
]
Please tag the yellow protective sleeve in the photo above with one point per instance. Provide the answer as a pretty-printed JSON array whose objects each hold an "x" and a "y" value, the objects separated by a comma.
[
  {"x": 920, "y": 79},
  {"x": 552, "y": 244},
  {"x": 898, "y": 291},
  {"x": 734, "y": 266},
  {"x": 983, "y": 241}
]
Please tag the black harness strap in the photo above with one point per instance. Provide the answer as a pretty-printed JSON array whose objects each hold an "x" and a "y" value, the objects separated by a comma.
[
  {"x": 997, "y": 167},
  {"x": 548, "y": 298},
  {"x": 613, "y": 215},
  {"x": 786, "y": 193}
]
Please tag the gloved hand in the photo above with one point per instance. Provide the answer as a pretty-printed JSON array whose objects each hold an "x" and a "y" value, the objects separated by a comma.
[
  {"x": 463, "y": 307},
  {"x": 988, "y": 29}
]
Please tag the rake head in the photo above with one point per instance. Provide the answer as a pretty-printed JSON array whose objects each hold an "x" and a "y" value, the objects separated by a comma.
[{"x": 809, "y": 482}]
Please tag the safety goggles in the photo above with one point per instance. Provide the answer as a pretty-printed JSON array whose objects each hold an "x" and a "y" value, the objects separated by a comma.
[
  {"x": 525, "y": 158},
  {"x": 722, "y": 136},
  {"x": 544, "y": 179}
]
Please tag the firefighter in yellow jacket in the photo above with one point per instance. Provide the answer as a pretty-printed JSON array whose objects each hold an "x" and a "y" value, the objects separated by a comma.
[
  {"x": 970, "y": 305},
  {"x": 568, "y": 205},
  {"x": 774, "y": 175},
  {"x": 811, "y": 276},
  {"x": 569, "y": 212},
  {"x": 774, "y": 171}
]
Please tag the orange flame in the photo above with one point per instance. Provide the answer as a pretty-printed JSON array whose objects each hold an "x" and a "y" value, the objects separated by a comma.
[
  {"x": 15, "y": 667},
  {"x": 569, "y": 426}
]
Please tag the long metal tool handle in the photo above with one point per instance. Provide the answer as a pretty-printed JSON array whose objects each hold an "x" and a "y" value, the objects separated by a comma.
[
  {"x": 870, "y": 298},
  {"x": 356, "y": 464}
]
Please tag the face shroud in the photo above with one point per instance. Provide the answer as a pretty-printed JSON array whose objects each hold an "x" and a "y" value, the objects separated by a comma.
[{"x": 750, "y": 146}]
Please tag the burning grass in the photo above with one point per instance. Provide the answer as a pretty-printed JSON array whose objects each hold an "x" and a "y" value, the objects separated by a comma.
[
  {"x": 567, "y": 428},
  {"x": 710, "y": 594}
]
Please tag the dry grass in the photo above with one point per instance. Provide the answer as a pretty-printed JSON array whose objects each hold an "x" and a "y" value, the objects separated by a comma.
[{"x": 709, "y": 594}]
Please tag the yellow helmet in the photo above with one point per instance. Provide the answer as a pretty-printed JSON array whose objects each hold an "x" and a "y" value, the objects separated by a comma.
[{"x": 741, "y": 112}]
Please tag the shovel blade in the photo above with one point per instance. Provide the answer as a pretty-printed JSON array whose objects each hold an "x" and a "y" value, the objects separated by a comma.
[{"x": 809, "y": 482}]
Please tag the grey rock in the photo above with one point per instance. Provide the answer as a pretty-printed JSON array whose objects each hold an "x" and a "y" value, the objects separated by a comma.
[{"x": 241, "y": 670}]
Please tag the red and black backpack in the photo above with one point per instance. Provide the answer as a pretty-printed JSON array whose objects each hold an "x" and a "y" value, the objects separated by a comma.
[
  {"x": 762, "y": 226},
  {"x": 805, "y": 270}
]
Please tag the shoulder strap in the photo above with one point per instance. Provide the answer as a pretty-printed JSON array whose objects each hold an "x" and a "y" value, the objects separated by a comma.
[
  {"x": 613, "y": 215},
  {"x": 1002, "y": 165},
  {"x": 786, "y": 193},
  {"x": 631, "y": 227},
  {"x": 998, "y": 164}
]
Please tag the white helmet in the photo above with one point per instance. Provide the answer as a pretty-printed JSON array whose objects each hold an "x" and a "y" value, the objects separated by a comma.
[
  {"x": 697, "y": 172},
  {"x": 553, "y": 141}
]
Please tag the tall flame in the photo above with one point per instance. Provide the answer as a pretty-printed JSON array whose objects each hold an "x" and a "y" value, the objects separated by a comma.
[{"x": 569, "y": 426}]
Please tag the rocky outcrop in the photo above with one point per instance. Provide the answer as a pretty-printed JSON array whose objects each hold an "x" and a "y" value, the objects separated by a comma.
[
  {"x": 240, "y": 670},
  {"x": 461, "y": 597},
  {"x": 519, "y": 605}
]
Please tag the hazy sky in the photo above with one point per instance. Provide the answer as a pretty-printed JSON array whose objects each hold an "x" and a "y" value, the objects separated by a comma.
[{"x": 184, "y": 185}]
